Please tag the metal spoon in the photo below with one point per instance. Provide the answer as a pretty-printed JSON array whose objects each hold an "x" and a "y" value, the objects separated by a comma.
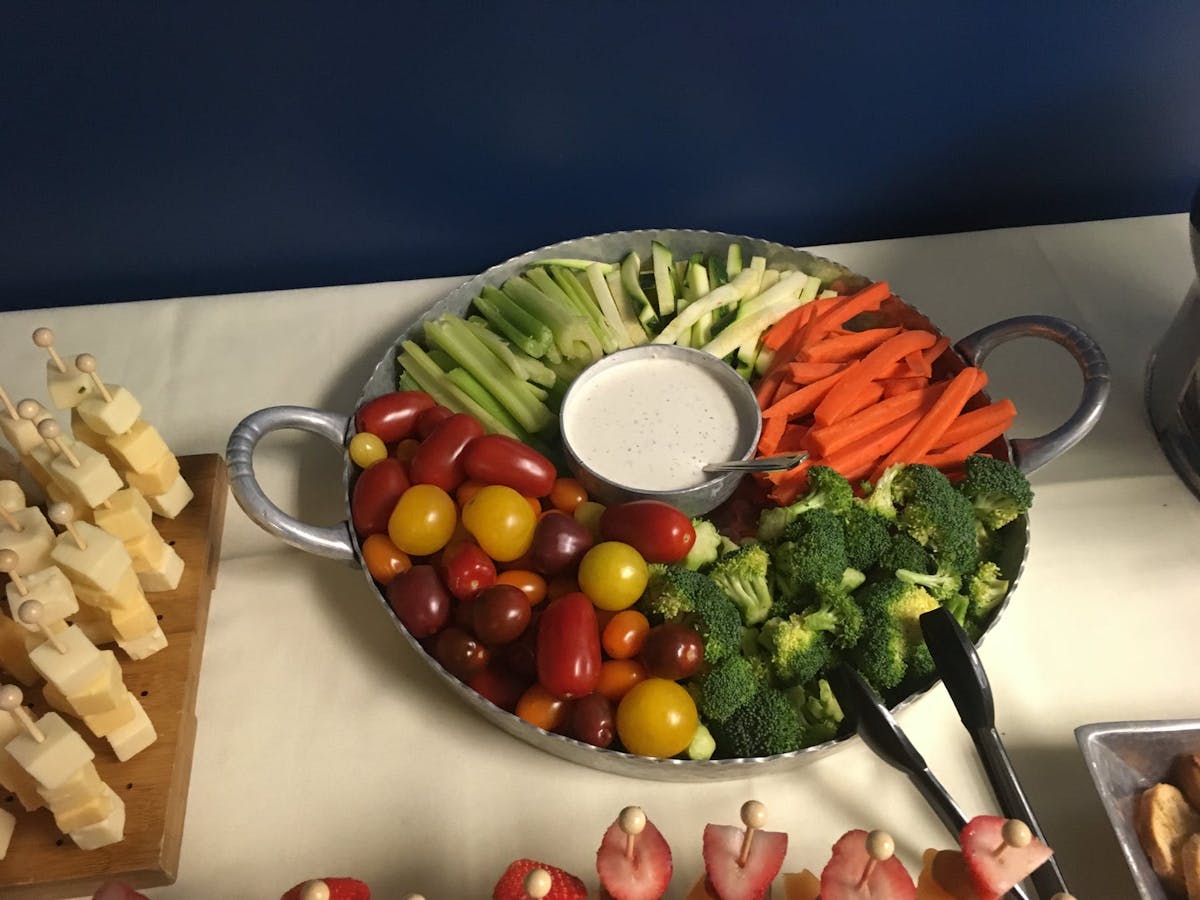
[{"x": 780, "y": 463}]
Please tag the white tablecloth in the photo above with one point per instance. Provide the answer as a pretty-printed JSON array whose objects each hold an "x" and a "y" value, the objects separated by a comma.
[{"x": 326, "y": 747}]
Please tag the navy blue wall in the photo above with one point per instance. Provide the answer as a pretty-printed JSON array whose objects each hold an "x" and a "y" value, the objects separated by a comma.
[{"x": 158, "y": 149}]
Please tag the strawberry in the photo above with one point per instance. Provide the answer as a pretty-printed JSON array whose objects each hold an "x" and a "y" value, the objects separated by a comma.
[
  {"x": 841, "y": 877},
  {"x": 728, "y": 879},
  {"x": 339, "y": 889},
  {"x": 563, "y": 885},
  {"x": 995, "y": 873},
  {"x": 115, "y": 890},
  {"x": 647, "y": 874}
]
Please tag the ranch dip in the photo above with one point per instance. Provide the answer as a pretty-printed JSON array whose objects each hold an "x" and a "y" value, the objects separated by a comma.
[{"x": 652, "y": 424}]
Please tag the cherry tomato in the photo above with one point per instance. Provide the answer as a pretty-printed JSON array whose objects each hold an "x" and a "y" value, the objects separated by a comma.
[
  {"x": 376, "y": 492},
  {"x": 420, "y": 601},
  {"x": 459, "y": 653},
  {"x": 392, "y": 417},
  {"x": 657, "y": 717},
  {"x": 465, "y": 491},
  {"x": 592, "y": 720},
  {"x": 613, "y": 575},
  {"x": 539, "y": 707},
  {"x": 624, "y": 634},
  {"x": 672, "y": 651},
  {"x": 501, "y": 521},
  {"x": 423, "y": 520},
  {"x": 383, "y": 559},
  {"x": 561, "y": 585},
  {"x": 439, "y": 458},
  {"x": 500, "y": 614},
  {"x": 531, "y": 583},
  {"x": 430, "y": 419},
  {"x": 588, "y": 515},
  {"x": 566, "y": 494},
  {"x": 366, "y": 450},
  {"x": 657, "y": 530},
  {"x": 568, "y": 647},
  {"x": 559, "y": 543},
  {"x": 617, "y": 676},
  {"x": 535, "y": 504},
  {"x": 499, "y": 459},
  {"x": 466, "y": 569},
  {"x": 406, "y": 449},
  {"x": 499, "y": 685}
]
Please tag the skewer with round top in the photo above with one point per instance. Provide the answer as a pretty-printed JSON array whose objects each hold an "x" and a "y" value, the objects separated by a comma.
[
  {"x": 10, "y": 701},
  {"x": 10, "y": 521},
  {"x": 30, "y": 410},
  {"x": 8, "y": 405},
  {"x": 632, "y": 821},
  {"x": 754, "y": 817},
  {"x": 86, "y": 363},
  {"x": 8, "y": 565},
  {"x": 51, "y": 433},
  {"x": 413, "y": 897},
  {"x": 62, "y": 514},
  {"x": 538, "y": 883},
  {"x": 33, "y": 613},
  {"x": 1014, "y": 833},
  {"x": 315, "y": 890},
  {"x": 44, "y": 338},
  {"x": 880, "y": 848},
  {"x": 1063, "y": 895}
]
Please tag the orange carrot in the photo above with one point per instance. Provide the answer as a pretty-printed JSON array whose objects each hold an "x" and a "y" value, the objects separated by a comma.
[
  {"x": 772, "y": 434},
  {"x": 869, "y": 298},
  {"x": 977, "y": 420},
  {"x": 828, "y": 439},
  {"x": 893, "y": 387},
  {"x": 931, "y": 355},
  {"x": 918, "y": 365},
  {"x": 778, "y": 333},
  {"x": 934, "y": 422},
  {"x": 869, "y": 396},
  {"x": 845, "y": 347},
  {"x": 787, "y": 486},
  {"x": 766, "y": 388},
  {"x": 808, "y": 372},
  {"x": 786, "y": 388},
  {"x": 793, "y": 439},
  {"x": 850, "y": 383},
  {"x": 952, "y": 456},
  {"x": 803, "y": 401},
  {"x": 878, "y": 443}
]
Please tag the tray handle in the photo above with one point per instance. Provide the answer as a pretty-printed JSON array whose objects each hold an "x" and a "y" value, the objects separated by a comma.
[
  {"x": 329, "y": 541},
  {"x": 1030, "y": 454}
]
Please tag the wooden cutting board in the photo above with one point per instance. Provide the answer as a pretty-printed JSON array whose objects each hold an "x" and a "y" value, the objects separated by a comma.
[{"x": 42, "y": 862}]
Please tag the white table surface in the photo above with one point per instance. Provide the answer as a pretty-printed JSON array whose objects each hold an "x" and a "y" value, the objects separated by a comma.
[{"x": 326, "y": 747}]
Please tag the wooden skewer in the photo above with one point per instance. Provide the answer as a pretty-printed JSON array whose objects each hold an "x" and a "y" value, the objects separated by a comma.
[
  {"x": 754, "y": 817},
  {"x": 51, "y": 433},
  {"x": 30, "y": 410},
  {"x": 413, "y": 897},
  {"x": 62, "y": 514},
  {"x": 1014, "y": 833},
  {"x": 315, "y": 890},
  {"x": 1063, "y": 895},
  {"x": 33, "y": 613},
  {"x": 44, "y": 338},
  {"x": 10, "y": 701},
  {"x": 86, "y": 363},
  {"x": 538, "y": 883},
  {"x": 8, "y": 405},
  {"x": 880, "y": 848},
  {"x": 632, "y": 821},
  {"x": 8, "y": 565},
  {"x": 10, "y": 520}
]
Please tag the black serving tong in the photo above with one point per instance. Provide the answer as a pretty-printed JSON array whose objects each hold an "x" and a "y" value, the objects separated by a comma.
[
  {"x": 967, "y": 683},
  {"x": 879, "y": 731}
]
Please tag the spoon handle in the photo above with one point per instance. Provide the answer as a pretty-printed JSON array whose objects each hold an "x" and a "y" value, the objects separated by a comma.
[{"x": 779, "y": 463}]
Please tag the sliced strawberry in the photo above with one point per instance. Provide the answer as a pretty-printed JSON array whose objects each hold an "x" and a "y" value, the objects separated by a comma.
[
  {"x": 339, "y": 889},
  {"x": 842, "y": 877},
  {"x": 731, "y": 881},
  {"x": 116, "y": 890},
  {"x": 563, "y": 885},
  {"x": 994, "y": 873},
  {"x": 646, "y": 875}
]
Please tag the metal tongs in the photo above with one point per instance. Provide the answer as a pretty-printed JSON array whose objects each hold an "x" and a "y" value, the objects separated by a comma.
[{"x": 960, "y": 669}]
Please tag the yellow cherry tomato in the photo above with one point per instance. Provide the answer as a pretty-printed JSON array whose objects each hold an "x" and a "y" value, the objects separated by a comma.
[
  {"x": 366, "y": 450},
  {"x": 657, "y": 717},
  {"x": 588, "y": 515},
  {"x": 423, "y": 520},
  {"x": 501, "y": 520},
  {"x": 613, "y": 575}
]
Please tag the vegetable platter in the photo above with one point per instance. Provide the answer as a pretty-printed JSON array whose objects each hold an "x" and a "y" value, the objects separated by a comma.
[{"x": 411, "y": 364}]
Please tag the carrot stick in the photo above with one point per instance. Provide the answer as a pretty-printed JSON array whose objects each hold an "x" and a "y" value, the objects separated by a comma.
[
  {"x": 772, "y": 434},
  {"x": 793, "y": 439},
  {"x": 828, "y": 439},
  {"x": 893, "y": 387},
  {"x": 787, "y": 486},
  {"x": 786, "y": 388},
  {"x": 803, "y": 401},
  {"x": 778, "y": 333},
  {"x": 931, "y": 355},
  {"x": 935, "y": 422},
  {"x": 977, "y": 420},
  {"x": 845, "y": 347},
  {"x": 766, "y": 388},
  {"x": 869, "y": 396},
  {"x": 918, "y": 365},
  {"x": 833, "y": 406},
  {"x": 870, "y": 297},
  {"x": 954, "y": 455},
  {"x": 808, "y": 372},
  {"x": 875, "y": 445}
]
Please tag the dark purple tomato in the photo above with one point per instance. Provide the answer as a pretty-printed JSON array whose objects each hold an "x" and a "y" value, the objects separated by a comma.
[
  {"x": 459, "y": 653},
  {"x": 559, "y": 542},
  {"x": 420, "y": 600},
  {"x": 500, "y": 614},
  {"x": 592, "y": 720},
  {"x": 502, "y": 687},
  {"x": 672, "y": 651}
]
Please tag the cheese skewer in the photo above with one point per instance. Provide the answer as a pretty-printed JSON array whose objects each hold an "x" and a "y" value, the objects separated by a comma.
[
  {"x": 32, "y": 613},
  {"x": 880, "y": 848},
  {"x": 9, "y": 561},
  {"x": 86, "y": 363},
  {"x": 51, "y": 433},
  {"x": 10, "y": 701},
  {"x": 315, "y": 890},
  {"x": 8, "y": 405},
  {"x": 44, "y": 338},
  {"x": 62, "y": 514},
  {"x": 754, "y": 817},
  {"x": 10, "y": 520}
]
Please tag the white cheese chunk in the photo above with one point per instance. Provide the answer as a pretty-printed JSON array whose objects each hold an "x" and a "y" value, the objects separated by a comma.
[
  {"x": 32, "y": 543},
  {"x": 94, "y": 439},
  {"x": 95, "y": 623},
  {"x": 79, "y": 788},
  {"x": 99, "y": 564},
  {"x": 53, "y": 761},
  {"x": 90, "y": 811},
  {"x": 22, "y": 434},
  {"x": 48, "y": 586},
  {"x": 58, "y": 493},
  {"x": 12, "y": 776},
  {"x": 110, "y": 417},
  {"x": 134, "y": 622},
  {"x": 158, "y": 478},
  {"x": 37, "y": 470},
  {"x": 67, "y": 389},
  {"x": 37, "y": 638},
  {"x": 110, "y": 831},
  {"x": 130, "y": 740},
  {"x": 104, "y": 724},
  {"x": 127, "y": 517},
  {"x": 140, "y": 448},
  {"x": 12, "y": 497},
  {"x": 8, "y": 824},
  {"x": 72, "y": 670},
  {"x": 171, "y": 502},
  {"x": 158, "y": 566},
  {"x": 127, "y": 593},
  {"x": 104, "y": 693},
  {"x": 148, "y": 645},
  {"x": 94, "y": 480}
]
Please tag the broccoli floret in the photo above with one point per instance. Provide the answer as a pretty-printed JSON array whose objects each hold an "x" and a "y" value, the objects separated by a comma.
[
  {"x": 742, "y": 575},
  {"x": 837, "y": 602},
  {"x": 765, "y": 726},
  {"x": 676, "y": 594},
  {"x": 706, "y": 546},
  {"x": 892, "y": 631},
  {"x": 958, "y": 604},
  {"x": 867, "y": 536},
  {"x": 936, "y": 516},
  {"x": 811, "y": 551},
  {"x": 727, "y": 687},
  {"x": 879, "y": 498},
  {"x": 703, "y": 744},
  {"x": 818, "y": 709},
  {"x": 998, "y": 491},
  {"x": 942, "y": 584},
  {"x": 905, "y": 553},
  {"x": 798, "y": 647},
  {"x": 985, "y": 590},
  {"x": 827, "y": 489}
]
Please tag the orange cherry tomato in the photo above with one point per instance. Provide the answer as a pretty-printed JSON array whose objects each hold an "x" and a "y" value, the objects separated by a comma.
[
  {"x": 466, "y": 491},
  {"x": 625, "y": 634},
  {"x": 383, "y": 559},
  {"x": 539, "y": 707},
  {"x": 533, "y": 584},
  {"x": 567, "y": 494},
  {"x": 561, "y": 584},
  {"x": 618, "y": 676},
  {"x": 535, "y": 504},
  {"x": 405, "y": 449}
]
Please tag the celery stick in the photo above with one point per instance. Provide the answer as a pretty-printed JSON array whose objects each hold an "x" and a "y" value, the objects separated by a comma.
[
  {"x": 664, "y": 286},
  {"x": 572, "y": 332},
  {"x": 479, "y": 394},
  {"x": 521, "y": 364},
  {"x": 580, "y": 264},
  {"x": 725, "y": 295},
  {"x": 513, "y": 322},
  {"x": 433, "y": 381},
  {"x": 407, "y": 383},
  {"x": 441, "y": 359},
  {"x": 570, "y": 285},
  {"x": 545, "y": 282},
  {"x": 608, "y": 307}
]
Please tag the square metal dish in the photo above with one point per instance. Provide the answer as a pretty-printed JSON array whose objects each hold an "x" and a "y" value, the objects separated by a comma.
[{"x": 1125, "y": 758}]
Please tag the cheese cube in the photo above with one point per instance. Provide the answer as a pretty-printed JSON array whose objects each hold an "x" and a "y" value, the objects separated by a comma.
[
  {"x": 158, "y": 566},
  {"x": 12, "y": 497},
  {"x": 79, "y": 788},
  {"x": 104, "y": 693},
  {"x": 140, "y": 448},
  {"x": 12, "y": 776},
  {"x": 44, "y": 455},
  {"x": 23, "y": 433},
  {"x": 50, "y": 587},
  {"x": 8, "y": 824},
  {"x": 104, "y": 724},
  {"x": 14, "y": 655},
  {"x": 32, "y": 543},
  {"x": 94, "y": 439},
  {"x": 53, "y": 761},
  {"x": 130, "y": 740},
  {"x": 91, "y": 811},
  {"x": 136, "y": 622},
  {"x": 127, "y": 517},
  {"x": 110, "y": 831},
  {"x": 100, "y": 564},
  {"x": 94, "y": 623},
  {"x": 127, "y": 593},
  {"x": 36, "y": 638},
  {"x": 56, "y": 701},
  {"x": 59, "y": 493},
  {"x": 67, "y": 389},
  {"x": 158, "y": 478},
  {"x": 37, "y": 470},
  {"x": 94, "y": 479},
  {"x": 72, "y": 670},
  {"x": 110, "y": 417},
  {"x": 171, "y": 502},
  {"x": 147, "y": 645}
]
